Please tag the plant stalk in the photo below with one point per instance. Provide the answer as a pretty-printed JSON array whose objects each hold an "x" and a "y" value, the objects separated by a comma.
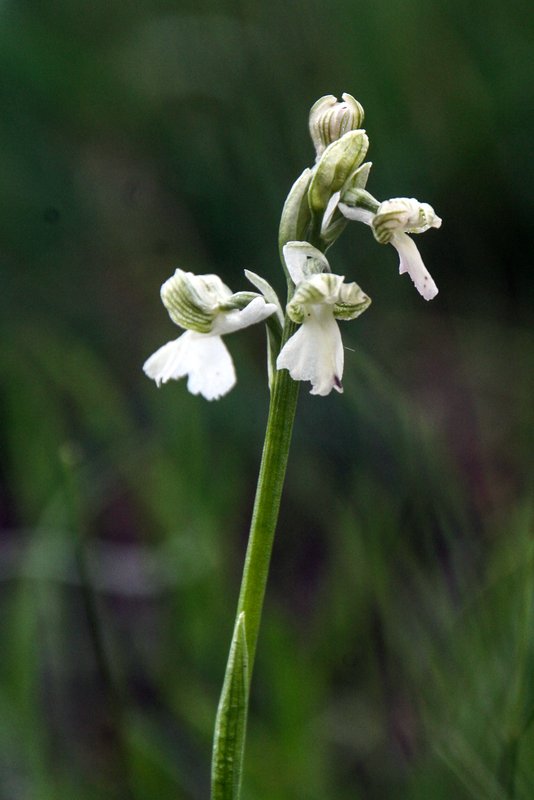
[
  {"x": 230, "y": 725},
  {"x": 267, "y": 502}
]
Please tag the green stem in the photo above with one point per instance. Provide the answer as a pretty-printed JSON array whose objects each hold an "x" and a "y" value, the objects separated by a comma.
[
  {"x": 230, "y": 724},
  {"x": 267, "y": 502}
]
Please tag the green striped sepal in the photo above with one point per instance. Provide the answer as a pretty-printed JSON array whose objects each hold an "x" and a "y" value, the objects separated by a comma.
[
  {"x": 402, "y": 214},
  {"x": 348, "y": 301},
  {"x": 231, "y": 721},
  {"x": 193, "y": 301}
]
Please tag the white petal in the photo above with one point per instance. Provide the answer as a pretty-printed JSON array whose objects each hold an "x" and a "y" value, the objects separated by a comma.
[
  {"x": 229, "y": 321},
  {"x": 167, "y": 362},
  {"x": 296, "y": 256},
  {"x": 267, "y": 291},
  {"x": 315, "y": 352},
  {"x": 210, "y": 368},
  {"x": 358, "y": 214},
  {"x": 412, "y": 263},
  {"x": 204, "y": 358}
]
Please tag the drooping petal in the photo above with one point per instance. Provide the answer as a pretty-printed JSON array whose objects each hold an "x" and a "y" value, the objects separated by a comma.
[
  {"x": 315, "y": 352},
  {"x": 229, "y": 321},
  {"x": 204, "y": 358},
  {"x": 412, "y": 263}
]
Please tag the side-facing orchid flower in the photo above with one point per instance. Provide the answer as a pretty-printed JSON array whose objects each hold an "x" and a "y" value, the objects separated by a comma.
[
  {"x": 391, "y": 223},
  {"x": 315, "y": 352},
  {"x": 207, "y": 309}
]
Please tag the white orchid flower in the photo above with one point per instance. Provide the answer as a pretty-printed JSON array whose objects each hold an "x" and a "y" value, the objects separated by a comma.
[
  {"x": 391, "y": 223},
  {"x": 315, "y": 352},
  {"x": 207, "y": 309}
]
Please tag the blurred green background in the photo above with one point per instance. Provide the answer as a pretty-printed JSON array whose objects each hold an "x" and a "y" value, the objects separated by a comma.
[{"x": 397, "y": 654}]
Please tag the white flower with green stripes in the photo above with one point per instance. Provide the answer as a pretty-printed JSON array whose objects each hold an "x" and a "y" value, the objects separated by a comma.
[
  {"x": 207, "y": 309},
  {"x": 391, "y": 222},
  {"x": 315, "y": 352}
]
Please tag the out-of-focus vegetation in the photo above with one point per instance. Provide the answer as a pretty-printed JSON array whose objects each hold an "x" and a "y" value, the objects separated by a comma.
[{"x": 396, "y": 658}]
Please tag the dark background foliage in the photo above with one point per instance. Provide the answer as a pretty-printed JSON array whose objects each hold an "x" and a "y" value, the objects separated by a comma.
[{"x": 396, "y": 654}]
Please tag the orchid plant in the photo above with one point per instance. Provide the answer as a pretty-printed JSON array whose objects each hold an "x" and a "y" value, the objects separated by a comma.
[{"x": 304, "y": 344}]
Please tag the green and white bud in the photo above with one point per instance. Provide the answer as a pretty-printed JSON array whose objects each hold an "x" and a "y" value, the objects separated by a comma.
[
  {"x": 310, "y": 209},
  {"x": 331, "y": 119},
  {"x": 338, "y": 162},
  {"x": 354, "y": 192},
  {"x": 359, "y": 178}
]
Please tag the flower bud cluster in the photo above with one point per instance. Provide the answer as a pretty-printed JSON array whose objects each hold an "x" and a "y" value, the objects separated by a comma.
[
  {"x": 334, "y": 191},
  {"x": 310, "y": 212}
]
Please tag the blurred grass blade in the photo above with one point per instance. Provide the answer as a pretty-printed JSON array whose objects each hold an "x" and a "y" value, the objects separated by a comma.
[
  {"x": 470, "y": 770},
  {"x": 231, "y": 722}
]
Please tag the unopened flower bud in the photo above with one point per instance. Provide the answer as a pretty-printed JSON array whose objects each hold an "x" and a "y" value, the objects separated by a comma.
[
  {"x": 338, "y": 162},
  {"x": 331, "y": 119}
]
